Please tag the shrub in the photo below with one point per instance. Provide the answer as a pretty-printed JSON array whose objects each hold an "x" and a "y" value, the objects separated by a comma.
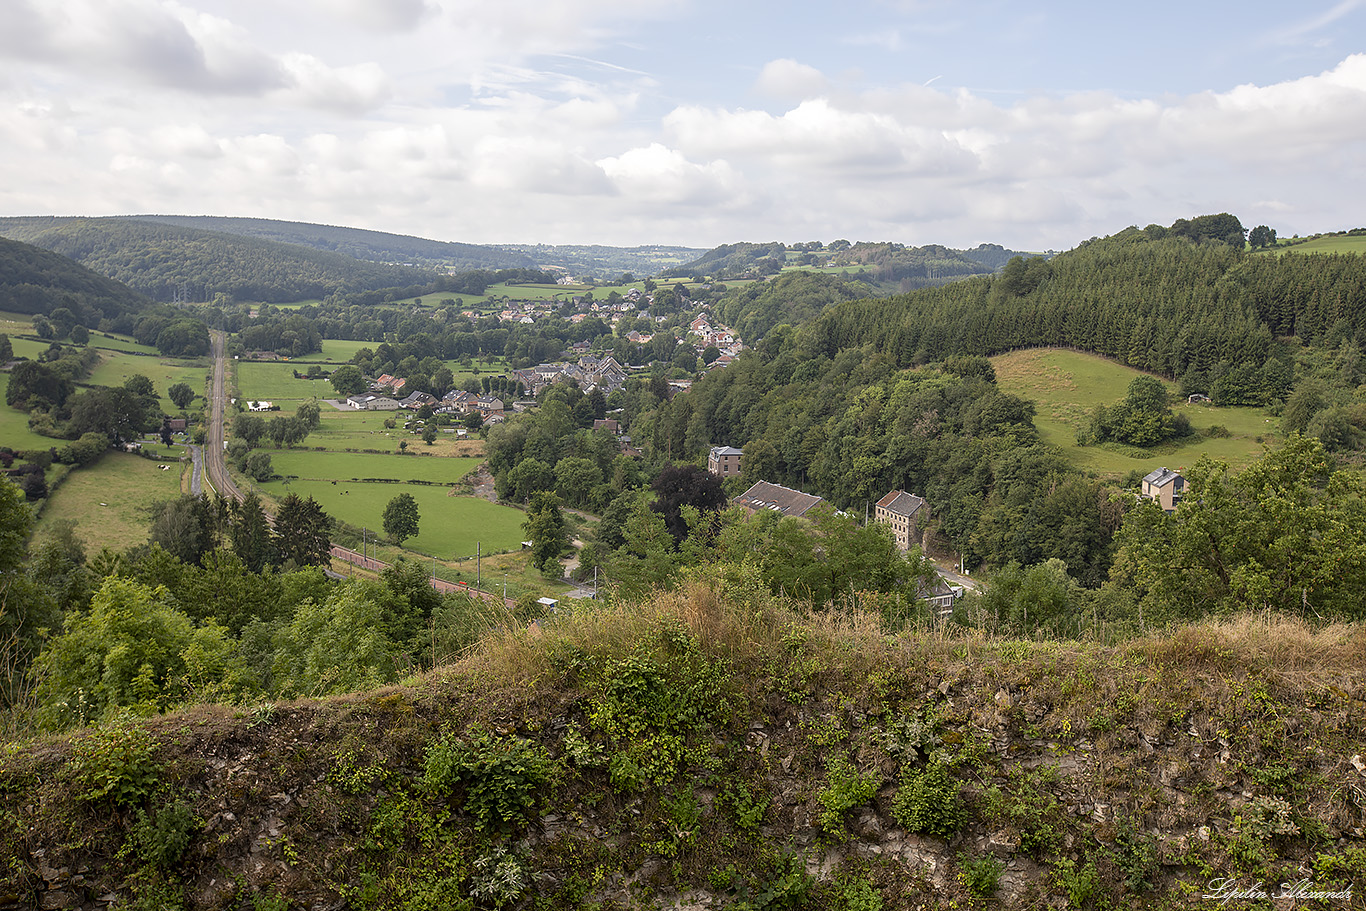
[
  {"x": 501, "y": 778},
  {"x": 981, "y": 875},
  {"x": 161, "y": 839},
  {"x": 929, "y": 801},
  {"x": 114, "y": 764},
  {"x": 846, "y": 790}
]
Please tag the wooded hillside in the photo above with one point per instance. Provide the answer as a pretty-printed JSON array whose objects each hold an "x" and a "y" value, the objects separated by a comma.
[{"x": 163, "y": 260}]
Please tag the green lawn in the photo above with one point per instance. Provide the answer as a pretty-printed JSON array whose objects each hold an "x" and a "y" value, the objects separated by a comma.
[
  {"x": 1066, "y": 387},
  {"x": 450, "y": 526},
  {"x": 110, "y": 500},
  {"x": 343, "y": 466}
]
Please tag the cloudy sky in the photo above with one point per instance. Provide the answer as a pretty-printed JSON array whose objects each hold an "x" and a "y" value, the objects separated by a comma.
[{"x": 692, "y": 122}]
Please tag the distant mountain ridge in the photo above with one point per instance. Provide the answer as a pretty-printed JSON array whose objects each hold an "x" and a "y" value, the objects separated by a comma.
[
  {"x": 170, "y": 262},
  {"x": 360, "y": 243}
]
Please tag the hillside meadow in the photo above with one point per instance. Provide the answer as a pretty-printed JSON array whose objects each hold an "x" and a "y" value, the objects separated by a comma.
[
  {"x": 110, "y": 501},
  {"x": 1067, "y": 386},
  {"x": 450, "y": 526},
  {"x": 116, "y": 367},
  {"x": 1325, "y": 244},
  {"x": 14, "y": 431}
]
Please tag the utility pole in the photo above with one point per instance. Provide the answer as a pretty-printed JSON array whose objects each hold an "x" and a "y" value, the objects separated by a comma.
[{"x": 477, "y": 577}]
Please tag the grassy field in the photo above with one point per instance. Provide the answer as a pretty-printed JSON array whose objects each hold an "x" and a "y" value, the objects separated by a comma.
[
  {"x": 1339, "y": 244},
  {"x": 27, "y": 347},
  {"x": 14, "y": 431},
  {"x": 111, "y": 500},
  {"x": 450, "y": 526},
  {"x": 361, "y": 430},
  {"x": 1067, "y": 386},
  {"x": 116, "y": 367},
  {"x": 119, "y": 343},
  {"x": 274, "y": 382},
  {"x": 13, "y": 324},
  {"x": 347, "y": 466}
]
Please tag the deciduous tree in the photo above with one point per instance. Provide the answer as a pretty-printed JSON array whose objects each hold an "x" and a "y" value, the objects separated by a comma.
[{"x": 401, "y": 518}]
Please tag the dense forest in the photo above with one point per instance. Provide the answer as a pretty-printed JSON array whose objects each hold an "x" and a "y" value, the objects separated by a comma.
[
  {"x": 169, "y": 262},
  {"x": 1145, "y": 298},
  {"x": 38, "y": 281},
  {"x": 373, "y": 246}
]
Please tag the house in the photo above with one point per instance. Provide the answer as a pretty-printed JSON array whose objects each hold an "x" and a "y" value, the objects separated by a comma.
[
  {"x": 1165, "y": 486},
  {"x": 176, "y": 425},
  {"x": 939, "y": 594},
  {"x": 258, "y": 406},
  {"x": 905, "y": 514},
  {"x": 417, "y": 400},
  {"x": 611, "y": 425},
  {"x": 394, "y": 383},
  {"x": 724, "y": 461},
  {"x": 776, "y": 498},
  {"x": 489, "y": 405},
  {"x": 460, "y": 400}
]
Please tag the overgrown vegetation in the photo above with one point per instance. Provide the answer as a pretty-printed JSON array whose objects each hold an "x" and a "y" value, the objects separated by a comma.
[{"x": 632, "y": 753}]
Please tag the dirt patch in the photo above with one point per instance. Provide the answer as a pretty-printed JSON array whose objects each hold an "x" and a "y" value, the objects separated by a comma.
[{"x": 483, "y": 484}]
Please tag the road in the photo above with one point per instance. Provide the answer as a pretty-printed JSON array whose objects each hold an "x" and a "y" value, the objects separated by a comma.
[{"x": 215, "y": 465}]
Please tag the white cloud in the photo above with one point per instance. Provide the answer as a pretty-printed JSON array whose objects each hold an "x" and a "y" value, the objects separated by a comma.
[
  {"x": 352, "y": 89},
  {"x": 529, "y": 120},
  {"x": 789, "y": 79},
  {"x": 384, "y": 15},
  {"x": 662, "y": 176}
]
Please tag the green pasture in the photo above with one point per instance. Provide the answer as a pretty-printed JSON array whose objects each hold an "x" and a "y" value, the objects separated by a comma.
[
  {"x": 340, "y": 430},
  {"x": 117, "y": 366},
  {"x": 28, "y": 347},
  {"x": 273, "y": 381},
  {"x": 120, "y": 343},
  {"x": 344, "y": 466},
  {"x": 14, "y": 431},
  {"x": 1327, "y": 244},
  {"x": 111, "y": 500},
  {"x": 12, "y": 323},
  {"x": 449, "y": 528},
  {"x": 1066, "y": 386}
]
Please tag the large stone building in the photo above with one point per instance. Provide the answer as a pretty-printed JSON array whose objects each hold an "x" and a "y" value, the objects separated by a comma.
[{"x": 906, "y": 514}]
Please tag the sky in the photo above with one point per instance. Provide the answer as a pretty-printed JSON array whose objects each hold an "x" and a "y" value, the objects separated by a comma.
[{"x": 690, "y": 122}]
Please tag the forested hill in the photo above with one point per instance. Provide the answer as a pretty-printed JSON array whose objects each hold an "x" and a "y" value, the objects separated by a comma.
[
  {"x": 884, "y": 267},
  {"x": 1147, "y": 298},
  {"x": 161, "y": 260},
  {"x": 34, "y": 280},
  {"x": 373, "y": 246}
]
